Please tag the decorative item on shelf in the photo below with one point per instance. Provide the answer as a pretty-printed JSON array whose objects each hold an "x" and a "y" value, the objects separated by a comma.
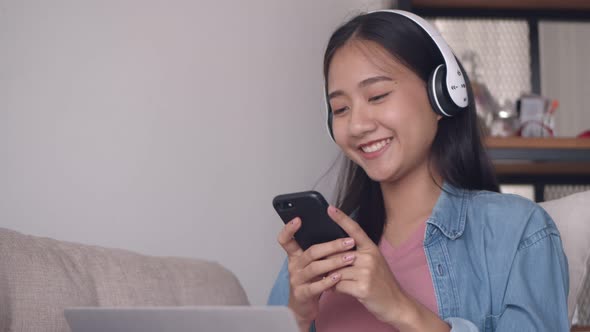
[
  {"x": 584, "y": 134},
  {"x": 536, "y": 116},
  {"x": 506, "y": 122},
  {"x": 549, "y": 118},
  {"x": 485, "y": 104}
]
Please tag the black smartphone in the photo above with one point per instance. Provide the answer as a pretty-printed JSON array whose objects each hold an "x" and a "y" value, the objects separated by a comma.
[{"x": 311, "y": 207}]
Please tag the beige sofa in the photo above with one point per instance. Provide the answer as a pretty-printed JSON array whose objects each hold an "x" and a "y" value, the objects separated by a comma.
[
  {"x": 39, "y": 277},
  {"x": 572, "y": 217}
]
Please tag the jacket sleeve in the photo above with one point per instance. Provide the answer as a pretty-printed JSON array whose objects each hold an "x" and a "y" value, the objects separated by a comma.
[
  {"x": 279, "y": 294},
  {"x": 536, "y": 292}
]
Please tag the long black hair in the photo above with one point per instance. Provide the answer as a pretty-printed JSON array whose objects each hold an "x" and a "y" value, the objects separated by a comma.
[{"x": 457, "y": 151}]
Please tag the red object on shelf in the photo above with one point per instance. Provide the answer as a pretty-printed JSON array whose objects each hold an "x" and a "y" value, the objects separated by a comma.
[{"x": 585, "y": 134}]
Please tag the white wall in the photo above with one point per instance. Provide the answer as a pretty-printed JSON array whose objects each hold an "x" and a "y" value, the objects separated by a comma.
[{"x": 164, "y": 127}]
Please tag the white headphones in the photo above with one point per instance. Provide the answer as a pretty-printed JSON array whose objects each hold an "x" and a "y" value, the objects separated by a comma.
[{"x": 447, "y": 90}]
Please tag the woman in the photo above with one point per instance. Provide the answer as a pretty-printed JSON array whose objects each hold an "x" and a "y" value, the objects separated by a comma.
[{"x": 434, "y": 247}]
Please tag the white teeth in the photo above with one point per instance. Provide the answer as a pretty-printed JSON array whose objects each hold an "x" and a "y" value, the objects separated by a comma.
[{"x": 376, "y": 146}]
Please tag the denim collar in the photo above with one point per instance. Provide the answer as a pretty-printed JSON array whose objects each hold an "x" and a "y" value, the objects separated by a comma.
[{"x": 449, "y": 212}]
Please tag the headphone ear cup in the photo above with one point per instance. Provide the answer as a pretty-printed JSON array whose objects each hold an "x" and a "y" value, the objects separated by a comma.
[
  {"x": 439, "y": 97},
  {"x": 431, "y": 95}
]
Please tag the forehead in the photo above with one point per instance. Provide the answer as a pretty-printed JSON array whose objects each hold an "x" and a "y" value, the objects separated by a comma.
[{"x": 361, "y": 59}]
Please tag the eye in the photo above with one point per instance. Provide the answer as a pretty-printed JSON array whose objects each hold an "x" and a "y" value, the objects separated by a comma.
[
  {"x": 339, "y": 110},
  {"x": 379, "y": 97}
]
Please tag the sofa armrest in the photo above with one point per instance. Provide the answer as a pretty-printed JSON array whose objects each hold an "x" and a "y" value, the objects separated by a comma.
[{"x": 39, "y": 277}]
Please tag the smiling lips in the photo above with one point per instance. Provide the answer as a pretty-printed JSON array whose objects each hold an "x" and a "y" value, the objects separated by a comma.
[{"x": 373, "y": 149}]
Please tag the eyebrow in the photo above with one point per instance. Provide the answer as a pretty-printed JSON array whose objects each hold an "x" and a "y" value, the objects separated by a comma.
[{"x": 362, "y": 84}]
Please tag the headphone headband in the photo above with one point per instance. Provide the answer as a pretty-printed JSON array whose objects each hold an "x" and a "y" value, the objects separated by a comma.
[{"x": 455, "y": 80}]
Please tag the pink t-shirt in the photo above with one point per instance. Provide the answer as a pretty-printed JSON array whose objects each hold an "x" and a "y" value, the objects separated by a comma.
[{"x": 342, "y": 313}]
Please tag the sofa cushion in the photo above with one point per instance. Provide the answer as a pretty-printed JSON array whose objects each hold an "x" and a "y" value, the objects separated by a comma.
[
  {"x": 39, "y": 277},
  {"x": 572, "y": 217}
]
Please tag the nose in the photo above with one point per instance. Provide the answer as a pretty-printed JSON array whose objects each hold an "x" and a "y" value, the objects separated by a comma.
[{"x": 361, "y": 121}]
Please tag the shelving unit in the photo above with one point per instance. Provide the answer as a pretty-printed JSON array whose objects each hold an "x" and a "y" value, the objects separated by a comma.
[
  {"x": 536, "y": 161},
  {"x": 540, "y": 161},
  {"x": 530, "y": 10},
  {"x": 568, "y": 150}
]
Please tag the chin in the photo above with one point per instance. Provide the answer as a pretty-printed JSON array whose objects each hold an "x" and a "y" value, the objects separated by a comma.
[{"x": 382, "y": 175}]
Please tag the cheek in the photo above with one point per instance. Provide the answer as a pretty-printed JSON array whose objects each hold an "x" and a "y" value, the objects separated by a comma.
[
  {"x": 400, "y": 116},
  {"x": 425, "y": 130},
  {"x": 340, "y": 135},
  {"x": 417, "y": 125},
  {"x": 338, "y": 131}
]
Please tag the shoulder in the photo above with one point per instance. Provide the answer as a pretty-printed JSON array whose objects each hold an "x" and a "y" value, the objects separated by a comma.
[
  {"x": 508, "y": 214},
  {"x": 490, "y": 199}
]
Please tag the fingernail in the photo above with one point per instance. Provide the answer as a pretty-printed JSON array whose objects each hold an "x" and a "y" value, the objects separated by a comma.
[
  {"x": 348, "y": 258},
  {"x": 295, "y": 222},
  {"x": 348, "y": 243},
  {"x": 333, "y": 209},
  {"x": 335, "y": 276}
]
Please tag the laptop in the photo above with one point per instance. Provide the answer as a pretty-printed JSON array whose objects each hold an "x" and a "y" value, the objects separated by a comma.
[{"x": 181, "y": 319}]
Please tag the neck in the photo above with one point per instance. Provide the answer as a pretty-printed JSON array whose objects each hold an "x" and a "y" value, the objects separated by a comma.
[{"x": 410, "y": 200}]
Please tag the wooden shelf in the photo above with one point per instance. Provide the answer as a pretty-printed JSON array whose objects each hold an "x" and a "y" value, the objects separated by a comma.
[
  {"x": 504, "y": 4},
  {"x": 539, "y": 149},
  {"x": 539, "y": 168},
  {"x": 537, "y": 143},
  {"x": 535, "y": 158},
  {"x": 581, "y": 329}
]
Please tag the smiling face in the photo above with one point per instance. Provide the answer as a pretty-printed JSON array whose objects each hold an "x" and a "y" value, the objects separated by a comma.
[{"x": 382, "y": 119}]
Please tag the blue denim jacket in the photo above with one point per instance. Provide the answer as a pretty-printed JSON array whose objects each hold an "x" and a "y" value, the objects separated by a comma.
[{"x": 496, "y": 261}]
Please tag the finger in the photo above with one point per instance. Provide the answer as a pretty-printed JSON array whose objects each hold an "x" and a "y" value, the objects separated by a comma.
[
  {"x": 348, "y": 273},
  {"x": 322, "y": 267},
  {"x": 350, "y": 287},
  {"x": 286, "y": 239},
  {"x": 362, "y": 268},
  {"x": 323, "y": 250},
  {"x": 349, "y": 282},
  {"x": 339, "y": 254},
  {"x": 314, "y": 289},
  {"x": 351, "y": 227}
]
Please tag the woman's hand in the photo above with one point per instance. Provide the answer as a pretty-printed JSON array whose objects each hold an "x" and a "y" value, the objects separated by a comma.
[
  {"x": 308, "y": 269},
  {"x": 370, "y": 280}
]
